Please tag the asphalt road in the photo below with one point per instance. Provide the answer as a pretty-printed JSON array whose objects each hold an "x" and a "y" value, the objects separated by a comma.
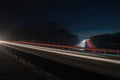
[
  {"x": 10, "y": 69},
  {"x": 96, "y": 63}
]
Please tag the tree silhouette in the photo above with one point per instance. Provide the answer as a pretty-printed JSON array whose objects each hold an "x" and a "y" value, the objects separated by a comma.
[
  {"x": 47, "y": 33},
  {"x": 109, "y": 41}
]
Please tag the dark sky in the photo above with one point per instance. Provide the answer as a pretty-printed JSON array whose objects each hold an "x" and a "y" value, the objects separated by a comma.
[{"x": 82, "y": 17}]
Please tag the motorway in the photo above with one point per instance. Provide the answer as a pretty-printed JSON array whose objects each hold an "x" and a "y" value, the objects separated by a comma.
[
  {"x": 92, "y": 62},
  {"x": 12, "y": 69}
]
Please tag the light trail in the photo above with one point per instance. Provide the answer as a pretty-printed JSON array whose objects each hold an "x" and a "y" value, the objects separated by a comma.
[{"x": 63, "y": 53}]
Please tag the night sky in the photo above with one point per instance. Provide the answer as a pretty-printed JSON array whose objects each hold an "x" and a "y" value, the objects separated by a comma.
[{"x": 84, "y": 18}]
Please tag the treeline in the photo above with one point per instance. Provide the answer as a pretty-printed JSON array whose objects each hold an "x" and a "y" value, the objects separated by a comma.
[
  {"x": 109, "y": 41},
  {"x": 45, "y": 33}
]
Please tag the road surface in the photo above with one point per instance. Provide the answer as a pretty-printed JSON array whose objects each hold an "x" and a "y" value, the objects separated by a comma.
[{"x": 96, "y": 63}]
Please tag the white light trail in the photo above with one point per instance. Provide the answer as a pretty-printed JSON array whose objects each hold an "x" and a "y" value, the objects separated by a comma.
[{"x": 63, "y": 53}]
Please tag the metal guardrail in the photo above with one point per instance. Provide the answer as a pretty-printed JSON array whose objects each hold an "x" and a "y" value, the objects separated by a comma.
[{"x": 75, "y": 48}]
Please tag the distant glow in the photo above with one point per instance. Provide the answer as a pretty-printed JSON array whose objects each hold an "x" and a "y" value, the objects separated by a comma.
[{"x": 82, "y": 43}]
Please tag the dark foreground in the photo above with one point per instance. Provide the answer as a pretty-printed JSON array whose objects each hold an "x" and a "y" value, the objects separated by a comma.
[
  {"x": 18, "y": 65},
  {"x": 10, "y": 69}
]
